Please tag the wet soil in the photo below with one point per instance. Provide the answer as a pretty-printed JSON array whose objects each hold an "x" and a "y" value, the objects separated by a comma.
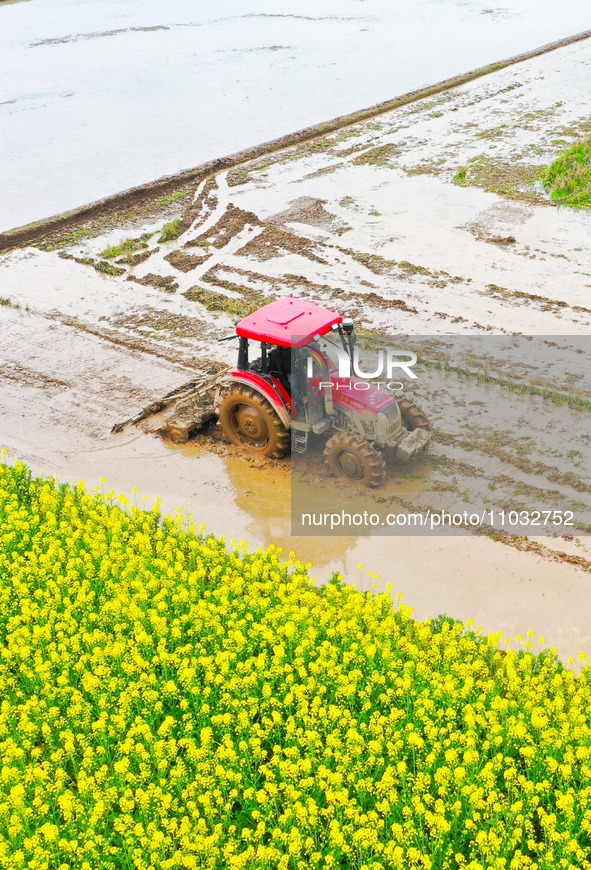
[
  {"x": 149, "y": 320},
  {"x": 229, "y": 225},
  {"x": 275, "y": 242},
  {"x": 236, "y": 306},
  {"x": 184, "y": 262},
  {"x": 163, "y": 282},
  {"x": 308, "y": 210}
]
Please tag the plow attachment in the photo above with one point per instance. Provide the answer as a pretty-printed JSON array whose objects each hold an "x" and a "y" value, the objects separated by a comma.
[{"x": 192, "y": 405}]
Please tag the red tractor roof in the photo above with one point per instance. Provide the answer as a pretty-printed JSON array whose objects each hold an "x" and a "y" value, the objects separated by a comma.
[{"x": 288, "y": 322}]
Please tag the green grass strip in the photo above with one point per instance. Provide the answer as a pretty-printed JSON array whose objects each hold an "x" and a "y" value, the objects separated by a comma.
[{"x": 568, "y": 179}]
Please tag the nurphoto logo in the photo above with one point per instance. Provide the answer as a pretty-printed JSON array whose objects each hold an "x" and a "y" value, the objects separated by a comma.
[{"x": 385, "y": 365}]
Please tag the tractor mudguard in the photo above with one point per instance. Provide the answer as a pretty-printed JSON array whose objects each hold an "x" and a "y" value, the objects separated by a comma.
[{"x": 275, "y": 393}]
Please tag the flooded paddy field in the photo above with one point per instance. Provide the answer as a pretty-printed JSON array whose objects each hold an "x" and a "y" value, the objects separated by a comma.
[
  {"x": 98, "y": 96},
  {"x": 430, "y": 221}
]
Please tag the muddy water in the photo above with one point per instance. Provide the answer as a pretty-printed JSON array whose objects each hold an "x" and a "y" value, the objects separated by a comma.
[
  {"x": 108, "y": 82},
  {"x": 496, "y": 585}
]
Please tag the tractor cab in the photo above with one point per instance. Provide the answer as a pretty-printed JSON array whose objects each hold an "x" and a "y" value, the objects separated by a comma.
[
  {"x": 287, "y": 323},
  {"x": 281, "y": 327}
]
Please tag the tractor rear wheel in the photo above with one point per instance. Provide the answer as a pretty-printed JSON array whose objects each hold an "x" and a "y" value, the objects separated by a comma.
[
  {"x": 249, "y": 420},
  {"x": 349, "y": 454},
  {"x": 412, "y": 415}
]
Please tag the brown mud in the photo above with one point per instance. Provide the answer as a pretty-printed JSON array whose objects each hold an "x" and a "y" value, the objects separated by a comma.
[
  {"x": 309, "y": 210},
  {"x": 236, "y": 306},
  {"x": 275, "y": 242},
  {"x": 128, "y": 335},
  {"x": 229, "y": 225},
  {"x": 162, "y": 282}
]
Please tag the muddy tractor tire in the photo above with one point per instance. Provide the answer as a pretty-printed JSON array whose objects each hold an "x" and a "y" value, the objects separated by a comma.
[
  {"x": 412, "y": 415},
  {"x": 249, "y": 420},
  {"x": 350, "y": 455}
]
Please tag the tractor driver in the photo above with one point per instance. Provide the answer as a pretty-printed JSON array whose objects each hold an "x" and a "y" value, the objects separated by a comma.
[{"x": 279, "y": 363}]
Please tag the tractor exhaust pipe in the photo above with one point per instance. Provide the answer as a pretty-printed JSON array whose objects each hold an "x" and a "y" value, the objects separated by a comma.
[
  {"x": 349, "y": 331},
  {"x": 243, "y": 354}
]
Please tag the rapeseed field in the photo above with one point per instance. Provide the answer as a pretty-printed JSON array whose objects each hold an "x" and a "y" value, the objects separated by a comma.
[{"x": 168, "y": 700}]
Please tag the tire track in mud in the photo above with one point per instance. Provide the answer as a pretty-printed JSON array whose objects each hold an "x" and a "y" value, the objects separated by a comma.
[
  {"x": 533, "y": 468},
  {"x": 535, "y": 460},
  {"x": 138, "y": 328},
  {"x": 125, "y": 338},
  {"x": 272, "y": 238},
  {"x": 526, "y": 545}
]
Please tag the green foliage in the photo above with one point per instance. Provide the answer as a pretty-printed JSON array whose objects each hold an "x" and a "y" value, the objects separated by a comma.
[
  {"x": 127, "y": 246},
  {"x": 171, "y": 230},
  {"x": 568, "y": 179}
]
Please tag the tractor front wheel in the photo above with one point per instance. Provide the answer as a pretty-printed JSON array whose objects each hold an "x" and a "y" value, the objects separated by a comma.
[
  {"x": 412, "y": 415},
  {"x": 249, "y": 420},
  {"x": 349, "y": 454}
]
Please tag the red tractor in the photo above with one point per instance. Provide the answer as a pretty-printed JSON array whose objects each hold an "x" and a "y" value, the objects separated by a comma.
[{"x": 293, "y": 389}]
